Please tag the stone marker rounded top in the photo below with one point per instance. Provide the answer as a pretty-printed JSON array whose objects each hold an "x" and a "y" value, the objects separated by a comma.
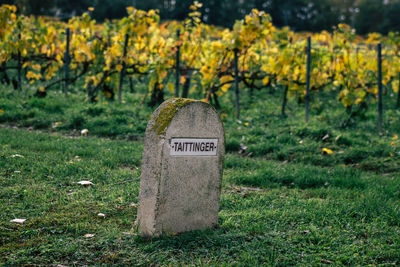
[
  {"x": 165, "y": 113},
  {"x": 162, "y": 117},
  {"x": 181, "y": 168}
]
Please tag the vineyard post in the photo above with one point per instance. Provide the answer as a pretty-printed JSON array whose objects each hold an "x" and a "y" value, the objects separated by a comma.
[
  {"x": 236, "y": 63},
  {"x": 19, "y": 65},
  {"x": 284, "y": 102},
  {"x": 307, "y": 96},
  {"x": 177, "y": 67},
  {"x": 121, "y": 77},
  {"x": 380, "y": 111},
  {"x": 398, "y": 94},
  {"x": 66, "y": 62}
]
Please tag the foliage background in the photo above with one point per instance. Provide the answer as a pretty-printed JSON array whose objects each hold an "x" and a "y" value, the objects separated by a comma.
[{"x": 301, "y": 15}]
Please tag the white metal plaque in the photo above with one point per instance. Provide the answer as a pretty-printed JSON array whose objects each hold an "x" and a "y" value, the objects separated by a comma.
[{"x": 193, "y": 147}]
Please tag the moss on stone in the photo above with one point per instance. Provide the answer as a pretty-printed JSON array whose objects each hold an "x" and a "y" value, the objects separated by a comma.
[{"x": 167, "y": 113}]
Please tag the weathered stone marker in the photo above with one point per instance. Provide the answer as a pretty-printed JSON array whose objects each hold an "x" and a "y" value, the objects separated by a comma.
[{"x": 182, "y": 166}]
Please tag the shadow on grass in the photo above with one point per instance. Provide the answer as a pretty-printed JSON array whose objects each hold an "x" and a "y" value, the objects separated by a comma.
[{"x": 213, "y": 245}]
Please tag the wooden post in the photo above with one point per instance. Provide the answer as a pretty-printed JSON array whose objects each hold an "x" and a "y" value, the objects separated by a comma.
[
  {"x": 236, "y": 63},
  {"x": 284, "y": 102},
  {"x": 307, "y": 96},
  {"x": 186, "y": 85},
  {"x": 19, "y": 66},
  {"x": 66, "y": 62},
  {"x": 380, "y": 104},
  {"x": 177, "y": 66},
  {"x": 398, "y": 94},
  {"x": 131, "y": 84},
  {"x": 121, "y": 77}
]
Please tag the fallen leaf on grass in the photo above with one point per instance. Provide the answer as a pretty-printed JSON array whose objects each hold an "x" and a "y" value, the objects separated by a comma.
[
  {"x": 127, "y": 233},
  {"x": 88, "y": 235},
  {"x": 17, "y": 156},
  {"x": 85, "y": 183},
  {"x": 20, "y": 221},
  {"x": 242, "y": 149},
  {"x": 250, "y": 188},
  {"x": 326, "y": 151},
  {"x": 325, "y": 137},
  {"x": 56, "y": 124},
  {"x": 84, "y": 132}
]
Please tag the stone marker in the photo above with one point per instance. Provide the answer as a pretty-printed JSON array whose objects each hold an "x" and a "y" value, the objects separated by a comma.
[{"x": 182, "y": 166}]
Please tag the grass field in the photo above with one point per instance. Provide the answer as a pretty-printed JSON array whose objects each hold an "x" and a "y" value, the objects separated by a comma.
[{"x": 283, "y": 203}]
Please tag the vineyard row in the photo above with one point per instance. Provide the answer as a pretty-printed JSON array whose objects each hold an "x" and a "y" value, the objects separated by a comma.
[{"x": 205, "y": 59}]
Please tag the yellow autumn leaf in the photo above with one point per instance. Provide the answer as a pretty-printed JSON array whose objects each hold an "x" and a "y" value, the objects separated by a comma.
[
  {"x": 395, "y": 86},
  {"x": 59, "y": 58},
  {"x": 32, "y": 75},
  {"x": 347, "y": 102},
  {"x": 171, "y": 87},
  {"x": 265, "y": 81},
  {"x": 162, "y": 75},
  {"x": 44, "y": 49},
  {"x": 226, "y": 78},
  {"x": 225, "y": 87},
  {"x": 326, "y": 151},
  {"x": 118, "y": 67},
  {"x": 183, "y": 80},
  {"x": 225, "y": 81},
  {"x": 152, "y": 82},
  {"x": 358, "y": 101},
  {"x": 36, "y": 67}
]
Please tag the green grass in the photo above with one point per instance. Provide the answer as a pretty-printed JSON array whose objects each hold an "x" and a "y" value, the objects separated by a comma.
[
  {"x": 271, "y": 213},
  {"x": 283, "y": 201}
]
